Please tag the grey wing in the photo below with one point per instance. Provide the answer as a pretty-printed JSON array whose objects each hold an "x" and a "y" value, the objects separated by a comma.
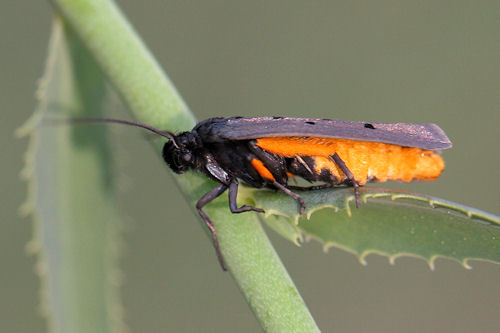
[{"x": 425, "y": 136}]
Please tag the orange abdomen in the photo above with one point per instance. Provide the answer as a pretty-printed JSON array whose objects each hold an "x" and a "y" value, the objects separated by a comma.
[{"x": 368, "y": 161}]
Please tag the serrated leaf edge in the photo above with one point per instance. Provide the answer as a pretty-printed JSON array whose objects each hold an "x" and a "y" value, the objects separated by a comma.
[
  {"x": 433, "y": 203},
  {"x": 431, "y": 261}
]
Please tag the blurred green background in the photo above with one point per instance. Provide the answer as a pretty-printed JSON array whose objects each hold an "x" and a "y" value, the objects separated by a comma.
[{"x": 392, "y": 61}]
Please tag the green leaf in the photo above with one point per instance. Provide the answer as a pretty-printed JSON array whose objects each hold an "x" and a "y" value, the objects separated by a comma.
[
  {"x": 389, "y": 222},
  {"x": 71, "y": 193}
]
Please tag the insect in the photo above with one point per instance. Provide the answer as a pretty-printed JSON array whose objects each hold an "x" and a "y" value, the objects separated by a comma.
[{"x": 269, "y": 151}]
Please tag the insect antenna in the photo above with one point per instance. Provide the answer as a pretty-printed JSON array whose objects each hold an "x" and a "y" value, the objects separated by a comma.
[{"x": 169, "y": 135}]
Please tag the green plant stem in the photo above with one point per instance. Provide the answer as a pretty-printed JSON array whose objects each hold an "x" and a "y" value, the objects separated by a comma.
[{"x": 153, "y": 99}]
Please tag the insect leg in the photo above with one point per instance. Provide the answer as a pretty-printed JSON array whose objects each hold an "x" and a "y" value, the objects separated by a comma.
[
  {"x": 297, "y": 197},
  {"x": 275, "y": 164},
  {"x": 336, "y": 158},
  {"x": 209, "y": 196},
  {"x": 233, "y": 192},
  {"x": 303, "y": 163}
]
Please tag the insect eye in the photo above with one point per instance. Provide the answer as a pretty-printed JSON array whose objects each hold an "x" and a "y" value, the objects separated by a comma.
[
  {"x": 175, "y": 158},
  {"x": 187, "y": 157}
]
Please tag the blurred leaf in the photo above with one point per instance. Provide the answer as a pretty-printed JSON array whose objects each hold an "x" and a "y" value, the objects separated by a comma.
[
  {"x": 71, "y": 190},
  {"x": 389, "y": 222}
]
